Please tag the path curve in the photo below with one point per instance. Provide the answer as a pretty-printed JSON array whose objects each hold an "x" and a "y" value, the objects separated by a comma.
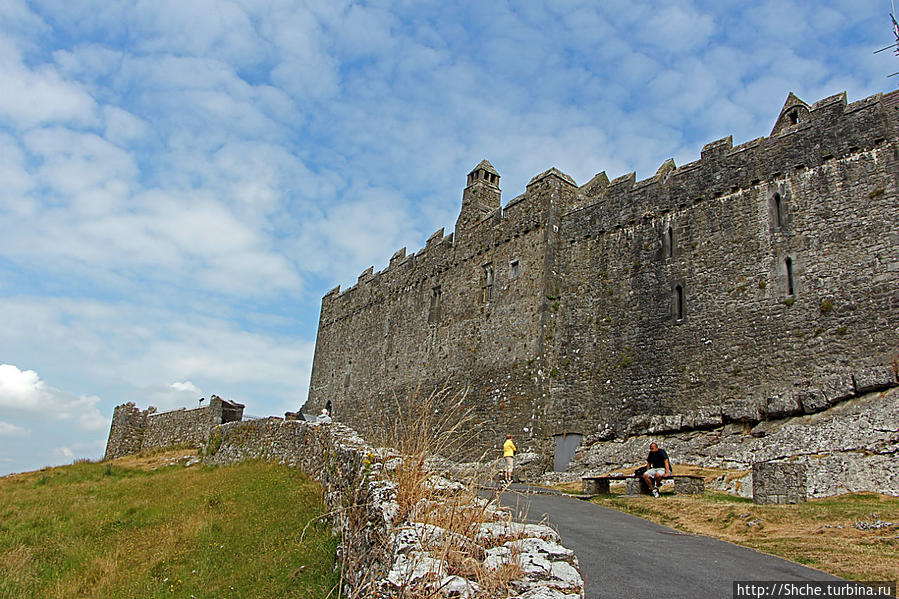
[{"x": 625, "y": 557}]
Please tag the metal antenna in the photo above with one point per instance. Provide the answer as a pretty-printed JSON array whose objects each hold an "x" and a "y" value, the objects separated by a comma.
[{"x": 895, "y": 33}]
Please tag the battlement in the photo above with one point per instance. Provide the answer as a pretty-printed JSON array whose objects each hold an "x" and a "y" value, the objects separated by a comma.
[{"x": 804, "y": 137}]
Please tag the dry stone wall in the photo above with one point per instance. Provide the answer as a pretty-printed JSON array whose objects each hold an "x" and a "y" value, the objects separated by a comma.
[
  {"x": 758, "y": 282},
  {"x": 386, "y": 553}
]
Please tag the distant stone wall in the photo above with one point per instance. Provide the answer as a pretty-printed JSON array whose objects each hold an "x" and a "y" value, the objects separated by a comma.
[
  {"x": 134, "y": 430},
  {"x": 126, "y": 432},
  {"x": 186, "y": 427},
  {"x": 384, "y": 551}
]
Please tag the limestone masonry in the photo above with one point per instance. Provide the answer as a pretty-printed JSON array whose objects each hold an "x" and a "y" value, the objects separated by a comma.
[
  {"x": 133, "y": 430},
  {"x": 757, "y": 283}
]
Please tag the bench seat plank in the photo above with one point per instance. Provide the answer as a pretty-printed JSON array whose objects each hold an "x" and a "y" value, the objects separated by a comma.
[{"x": 684, "y": 484}]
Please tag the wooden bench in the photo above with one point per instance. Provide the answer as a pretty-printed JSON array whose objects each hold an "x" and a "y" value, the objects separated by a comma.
[{"x": 684, "y": 484}]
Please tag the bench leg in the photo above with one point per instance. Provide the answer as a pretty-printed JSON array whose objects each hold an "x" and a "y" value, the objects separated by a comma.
[
  {"x": 688, "y": 486},
  {"x": 637, "y": 486},
  {"x": 593, "y": 486}
]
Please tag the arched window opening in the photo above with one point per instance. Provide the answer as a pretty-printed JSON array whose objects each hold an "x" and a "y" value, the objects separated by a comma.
[
  {"x": 487, "y": 287},
  {"x": 794, "y": 117},
  {"x": 434, "y": 313}
]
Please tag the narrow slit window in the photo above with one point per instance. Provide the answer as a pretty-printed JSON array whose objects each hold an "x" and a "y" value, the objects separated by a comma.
[
  {"x": 788, "y": 262},
  {"x": 778, "y": 210},
  {"x": 346, "y": 377},
  {"x": 670, "y": 242},
  {"x": 514, "y": 267},
  {"x": 487, "y": 293},
  {"x": 679, "y": 302},
  {"x": 434, "y": 313}
]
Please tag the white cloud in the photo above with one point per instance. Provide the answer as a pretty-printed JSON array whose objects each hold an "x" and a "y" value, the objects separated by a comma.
[
  {"x": 185, "y": 386},
  {"x": 9, "y": 430},
  {"x": 23, "y": 392},
  {"x": 64, "y": 452},
  {"x": 33, "y": 96}
]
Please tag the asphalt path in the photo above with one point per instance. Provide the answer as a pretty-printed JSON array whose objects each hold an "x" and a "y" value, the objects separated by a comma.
[{"x": 622, "y": 556}]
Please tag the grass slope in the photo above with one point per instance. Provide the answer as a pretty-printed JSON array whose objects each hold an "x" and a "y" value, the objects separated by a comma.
[{"x": 124, "y": 530}]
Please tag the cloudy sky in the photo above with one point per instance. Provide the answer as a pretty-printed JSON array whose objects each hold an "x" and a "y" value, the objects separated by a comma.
[{"x": 181, "y": 182}]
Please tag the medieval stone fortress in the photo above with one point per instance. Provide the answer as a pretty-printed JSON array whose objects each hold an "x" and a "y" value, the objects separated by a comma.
[
  {"x": 725, "y": 304},
  {"x": 757, "y": 283}
]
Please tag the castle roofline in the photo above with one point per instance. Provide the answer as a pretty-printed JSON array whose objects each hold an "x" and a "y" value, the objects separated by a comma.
[
  {"x": 485, "y": 165},
  {"x": 553, "y": 172}
]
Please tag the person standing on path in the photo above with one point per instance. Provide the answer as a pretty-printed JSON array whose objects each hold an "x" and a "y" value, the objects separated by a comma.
[
  {"x": 509, "y": 455},
  {"x": 657, "y": 465}
]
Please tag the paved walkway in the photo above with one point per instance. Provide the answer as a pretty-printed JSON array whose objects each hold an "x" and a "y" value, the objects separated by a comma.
[{"x": 622, "y": 556}]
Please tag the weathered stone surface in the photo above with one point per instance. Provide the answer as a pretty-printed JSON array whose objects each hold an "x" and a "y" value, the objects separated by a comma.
[
  {"x": 779, "y": 482},
  {"x": 873, "y": 378},
  {"x": 703, "y": 417},
  {"x": 786, "y": 404},
  {"x": 812, "y": 401},
  {"x": 852, "y": 446},
  {"x": 741, "y": 411},
  {"x": 754, "y": 272}
]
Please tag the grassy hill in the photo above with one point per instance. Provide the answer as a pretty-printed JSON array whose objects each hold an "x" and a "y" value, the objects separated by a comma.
[{"x": 150, "y": 527}]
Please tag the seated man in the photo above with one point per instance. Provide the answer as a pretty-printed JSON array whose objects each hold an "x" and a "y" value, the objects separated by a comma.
[{"x": 657, "y": 466}]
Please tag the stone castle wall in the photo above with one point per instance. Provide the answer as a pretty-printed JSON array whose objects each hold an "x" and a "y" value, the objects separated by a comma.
[
  {"x": 752, "y": 339},
  {"x": 134, "y": 430},
  {"x": 759, "y": 281}
]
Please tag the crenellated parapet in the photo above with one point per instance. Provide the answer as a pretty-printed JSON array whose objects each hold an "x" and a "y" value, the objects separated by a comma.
[
  {"x": 828, "y": 130},
  {"x": 804, "y": 137}
]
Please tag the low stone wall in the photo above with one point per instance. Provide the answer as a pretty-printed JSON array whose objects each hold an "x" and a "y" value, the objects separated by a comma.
[
  {"x": 184, "y": 427},
  {"x": 851, "y": 447},
  {"x": 390, "y": 553}
]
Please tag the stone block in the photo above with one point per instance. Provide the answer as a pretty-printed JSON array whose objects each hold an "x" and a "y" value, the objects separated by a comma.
[
  {"x": 782, "y": 405},
  {"x": 664, "y": 423},
  {"x": 837, "y": 388},
  {"x": 874, "y": 378},
  {"x": 688, "y": 485},
  {"x": 636, "y": 486},
  {"x": 737, "y": 410},
  {"x": 812, "y": 400},
  {"x": 637, "y": 425},
  {"x": 703, "y": 417}
]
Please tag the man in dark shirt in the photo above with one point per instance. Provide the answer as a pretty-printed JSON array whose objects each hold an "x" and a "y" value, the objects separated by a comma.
[{"x": 657, "y": 466}]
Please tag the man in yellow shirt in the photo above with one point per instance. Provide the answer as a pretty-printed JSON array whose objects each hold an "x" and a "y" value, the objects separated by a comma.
[{"x": 508, "y": 454}]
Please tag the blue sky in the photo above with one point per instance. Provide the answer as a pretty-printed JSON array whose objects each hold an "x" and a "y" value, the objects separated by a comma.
[{"x": 183, "y": 181}]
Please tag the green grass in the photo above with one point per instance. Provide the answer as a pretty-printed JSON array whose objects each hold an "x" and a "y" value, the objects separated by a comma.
[{"x": 100, "y": 530}]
